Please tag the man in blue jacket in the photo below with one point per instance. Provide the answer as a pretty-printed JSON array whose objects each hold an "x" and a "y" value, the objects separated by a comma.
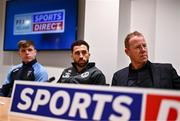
[
  {"x": 29, "y": 69},
  {"x": 141, "y": 72}
]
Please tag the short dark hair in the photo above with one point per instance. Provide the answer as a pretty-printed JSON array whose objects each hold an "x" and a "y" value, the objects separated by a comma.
[
  {"x": 25, "y": 43},
  {"x": 78, "y": 43},
  {"x": 129, "y": 36}
]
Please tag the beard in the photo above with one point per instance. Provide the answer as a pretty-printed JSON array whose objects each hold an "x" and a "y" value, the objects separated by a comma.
[{"x": 81, "y": 63}]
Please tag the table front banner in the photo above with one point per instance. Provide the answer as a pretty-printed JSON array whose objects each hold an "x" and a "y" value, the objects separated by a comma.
[{"x": 89, "y": 102}]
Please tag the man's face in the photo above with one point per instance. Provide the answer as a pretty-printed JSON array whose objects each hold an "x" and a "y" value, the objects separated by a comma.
[
  {"x": 27, "y": 54},
  {"x": 80, "y": 55},
  {"x": 137, "y": 50}
]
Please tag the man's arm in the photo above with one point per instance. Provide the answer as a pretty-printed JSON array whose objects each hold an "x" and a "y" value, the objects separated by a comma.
[
  {"x": 98, "y": 78},
  {"x": 40, "y": 73},
  {"x": 64, "y": 77},
  {"x": 6, "y": 90},
  {"x": 59, "y": 81},
  {"x": 41, "y": 76},
  {"x": 7, "y": 85},
  {"x": 114, "y": 81}
]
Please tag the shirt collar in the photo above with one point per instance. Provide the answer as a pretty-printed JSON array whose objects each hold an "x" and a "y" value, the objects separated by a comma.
[{"x": 146, "y": 66}]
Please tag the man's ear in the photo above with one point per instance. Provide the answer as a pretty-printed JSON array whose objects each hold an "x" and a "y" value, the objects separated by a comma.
[{"x": 126, "y": 51}]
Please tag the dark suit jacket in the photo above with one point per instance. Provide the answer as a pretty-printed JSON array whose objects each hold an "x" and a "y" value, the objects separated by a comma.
[{"x": 164, "y": 76}]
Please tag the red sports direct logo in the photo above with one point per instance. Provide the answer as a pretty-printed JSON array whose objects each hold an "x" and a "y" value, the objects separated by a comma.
[{"x": 162, "y": 108}]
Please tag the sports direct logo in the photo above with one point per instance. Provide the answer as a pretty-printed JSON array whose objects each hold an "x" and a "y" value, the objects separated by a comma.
[
  {"x": 40, "y": 22},
  {"x": 48, "y": 21},
  {"x": 162, "y": 108},
  {"x": 82, "y": 102}
]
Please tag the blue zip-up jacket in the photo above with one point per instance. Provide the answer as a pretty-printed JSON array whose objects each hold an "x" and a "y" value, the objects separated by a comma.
[{"x": 32, "y": 71}]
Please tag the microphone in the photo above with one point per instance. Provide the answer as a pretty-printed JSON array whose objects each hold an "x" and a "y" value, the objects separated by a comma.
[{"x": 51, "y": 79}]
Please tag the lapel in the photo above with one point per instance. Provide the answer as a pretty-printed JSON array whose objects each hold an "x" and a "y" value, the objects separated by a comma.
[{"x": 155, "y": 74}]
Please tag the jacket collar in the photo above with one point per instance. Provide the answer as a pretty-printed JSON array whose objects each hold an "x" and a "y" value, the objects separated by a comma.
[
  {"x": 88, "y": 66},
  {"x": 30, "y": 63}
]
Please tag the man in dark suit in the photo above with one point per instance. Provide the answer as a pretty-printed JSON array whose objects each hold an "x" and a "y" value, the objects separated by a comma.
[{"x": 141, "y": 72}]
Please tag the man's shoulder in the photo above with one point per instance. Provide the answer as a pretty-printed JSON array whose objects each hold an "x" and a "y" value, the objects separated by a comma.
[
  {"x": 122, "y": 71},
  {"x": 162, "y": 65},
  {"x": 69, "y": 70},
  {"x": 95, "y": 70},
  {"x": 16, "y": 67},
  {"x": 39, "y": 67}
]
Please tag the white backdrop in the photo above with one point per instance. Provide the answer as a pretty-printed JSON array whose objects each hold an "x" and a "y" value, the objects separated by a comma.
[{"x": 105, "y": 26}]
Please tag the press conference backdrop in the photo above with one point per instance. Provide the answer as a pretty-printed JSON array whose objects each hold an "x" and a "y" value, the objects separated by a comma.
[{"x": 51, "y": 24}]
